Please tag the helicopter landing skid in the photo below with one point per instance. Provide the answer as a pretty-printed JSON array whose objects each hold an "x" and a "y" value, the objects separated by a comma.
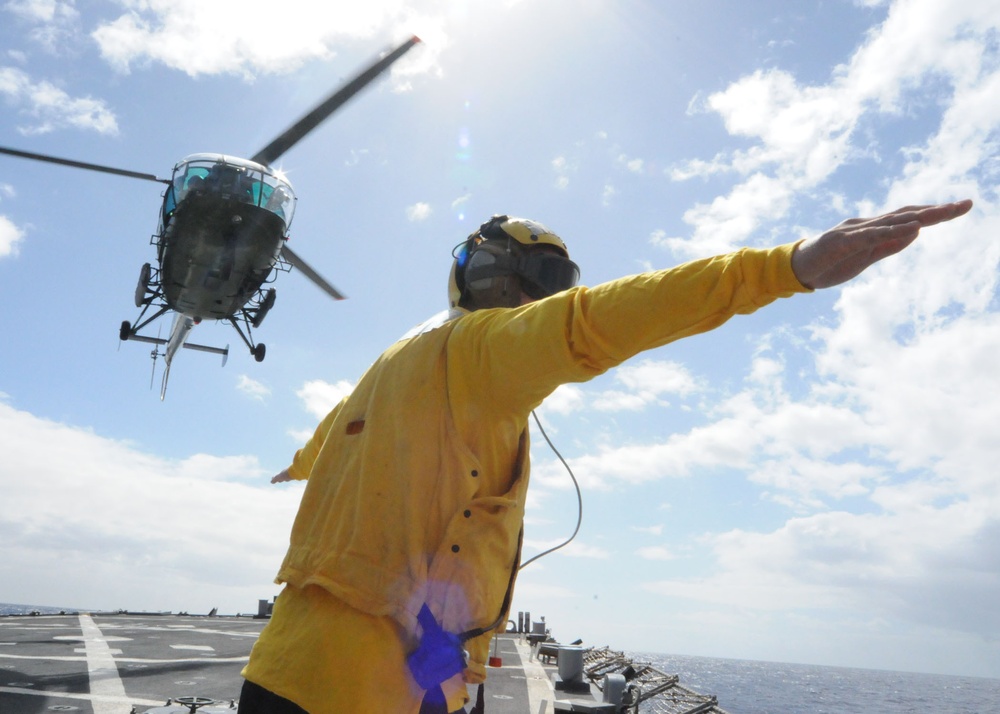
[{"x": 258, "y": 350}]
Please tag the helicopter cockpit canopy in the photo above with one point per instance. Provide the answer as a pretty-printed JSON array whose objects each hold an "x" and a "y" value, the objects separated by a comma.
[{"x": 230, "y": 178}]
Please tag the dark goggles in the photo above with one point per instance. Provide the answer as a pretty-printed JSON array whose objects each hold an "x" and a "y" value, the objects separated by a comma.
[{"x": 542, "y": 273}]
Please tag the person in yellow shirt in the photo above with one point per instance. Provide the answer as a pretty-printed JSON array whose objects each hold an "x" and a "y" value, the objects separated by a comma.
[{"x": 406, "y": 545}]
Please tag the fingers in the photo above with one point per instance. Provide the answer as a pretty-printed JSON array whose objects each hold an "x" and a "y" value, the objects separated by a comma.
[
  {"x": 925, "y": 215},
  {"x": 928, "y": 215}
]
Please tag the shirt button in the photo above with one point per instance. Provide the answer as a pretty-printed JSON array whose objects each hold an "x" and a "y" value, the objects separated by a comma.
[
  {"x": 455, "y": 549},
  {"x": 467, "y": 514},
  {"x": 474, "y": 473}
]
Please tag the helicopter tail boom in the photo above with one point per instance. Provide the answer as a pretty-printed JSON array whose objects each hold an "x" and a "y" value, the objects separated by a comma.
[{"x": 178, "y": 338}]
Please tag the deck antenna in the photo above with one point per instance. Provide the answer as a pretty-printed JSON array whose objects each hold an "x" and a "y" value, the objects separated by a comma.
[{"x": 579, "y": 497}]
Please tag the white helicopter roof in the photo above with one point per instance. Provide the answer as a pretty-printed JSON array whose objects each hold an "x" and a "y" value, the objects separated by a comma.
[{"x": 229, "y": 161}]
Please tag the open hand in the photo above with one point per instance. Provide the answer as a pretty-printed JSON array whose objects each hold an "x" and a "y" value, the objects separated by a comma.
[{"x": 845, "y": 251}]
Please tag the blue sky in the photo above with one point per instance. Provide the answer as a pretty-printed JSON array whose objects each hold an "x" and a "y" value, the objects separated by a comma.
[{"x": 813, "y": 483}]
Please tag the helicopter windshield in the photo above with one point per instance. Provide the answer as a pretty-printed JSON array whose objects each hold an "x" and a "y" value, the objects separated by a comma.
[{"x": 234, "y": 179}]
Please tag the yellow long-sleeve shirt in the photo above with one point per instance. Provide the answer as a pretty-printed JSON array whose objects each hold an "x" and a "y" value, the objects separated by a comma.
[{"x": 417, "y": 480}]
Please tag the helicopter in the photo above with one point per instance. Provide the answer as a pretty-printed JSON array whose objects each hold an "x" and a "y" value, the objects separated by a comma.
[{"x": 222, "y": 234}]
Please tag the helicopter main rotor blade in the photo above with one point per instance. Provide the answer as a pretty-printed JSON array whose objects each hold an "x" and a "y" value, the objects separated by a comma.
[
  {"x": 297, "y": 262},
  {"x": 310, "y": 121},
  {"x": 82, "y": 165}
]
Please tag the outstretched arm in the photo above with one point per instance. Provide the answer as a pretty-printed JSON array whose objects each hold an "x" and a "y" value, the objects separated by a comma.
[{"x": 858, "y": 243}]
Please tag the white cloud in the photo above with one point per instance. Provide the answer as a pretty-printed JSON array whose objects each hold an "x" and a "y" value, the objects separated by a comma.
[
  {"x": 802, "y": 134},
  {"x": 607, "y": 468},
  {"x": 728, "y": 221},
  {"x": 656, "y": 552},
  {"x": 647, "y": 381},
  {"x": 52, "y": 22},
  {"x": 319, "y": 397},
  {"x": 562, "y": 168},
  {"x": 648, "y": 530},
  {"x": 42, "y": 10},
  {"x": 566, "y": 399},
  {"x": 632, "y": 164},
  {"x": 618, "y": 401},
  {"x": 902, "y": 565},
  {"x": 300, "y": 436},
  {"x": 206, "y": 467},
  {"x": 608, "y": 194},
  {"x": 418, "y": 212},
  {"x": 252, "y": 388},
  {"x": 657, "y": 377},
  {"x": 699, "y": 168},
  {"x": 87, "y": 511},
  {"x": 544, "y": 594},
  {"x": 10, "y": 236},
  {"x": 244, "y": 38},
  {"x": 573, "y": 549},
  {"x": 355, "y": 156},
  {"x": 581, "y": 550},
  {"x": 50, "y": 108}
]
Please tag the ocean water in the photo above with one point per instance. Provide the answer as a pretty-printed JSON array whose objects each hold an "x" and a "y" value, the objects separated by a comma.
[
  {"x": 11, "y": 609},
  {"x": 751, "y": 687}
]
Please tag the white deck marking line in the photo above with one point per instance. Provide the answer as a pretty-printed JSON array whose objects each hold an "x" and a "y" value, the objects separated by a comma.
[
  {"x": 105, "y": 684},
  {"x": 115, "y": 703},
  {"x": 540, "y": 691},
  {"x": 132, "y": 660}
]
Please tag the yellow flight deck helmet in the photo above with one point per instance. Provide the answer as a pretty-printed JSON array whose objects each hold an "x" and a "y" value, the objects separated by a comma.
[{"x": 502, "y": 248}]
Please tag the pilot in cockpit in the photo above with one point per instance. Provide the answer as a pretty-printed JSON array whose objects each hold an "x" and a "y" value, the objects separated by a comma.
[
  {"x": 229, "y": 181},
  {"x": 276, "y": 201}
]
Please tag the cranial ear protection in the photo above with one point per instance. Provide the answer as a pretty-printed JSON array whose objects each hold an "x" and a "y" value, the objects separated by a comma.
[
  {"x": 505, "y": 247},
  {"x": 491, "y": 255},
  {"x": 473, "y": 251}
]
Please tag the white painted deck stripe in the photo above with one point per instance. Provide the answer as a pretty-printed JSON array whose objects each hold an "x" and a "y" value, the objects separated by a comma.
[
  {"x": 132, "y": 660},
  {"x": 106, "y": 688},
  {"x": 115, "y": 704},
  {"x": 540, "y": 692}
]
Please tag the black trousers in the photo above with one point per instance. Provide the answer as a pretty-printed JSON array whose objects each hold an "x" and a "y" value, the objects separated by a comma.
[{"x": 254, "y": 699}]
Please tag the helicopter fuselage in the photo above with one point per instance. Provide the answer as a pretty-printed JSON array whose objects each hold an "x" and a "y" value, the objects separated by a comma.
[{"x": 222, "y": 225}]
